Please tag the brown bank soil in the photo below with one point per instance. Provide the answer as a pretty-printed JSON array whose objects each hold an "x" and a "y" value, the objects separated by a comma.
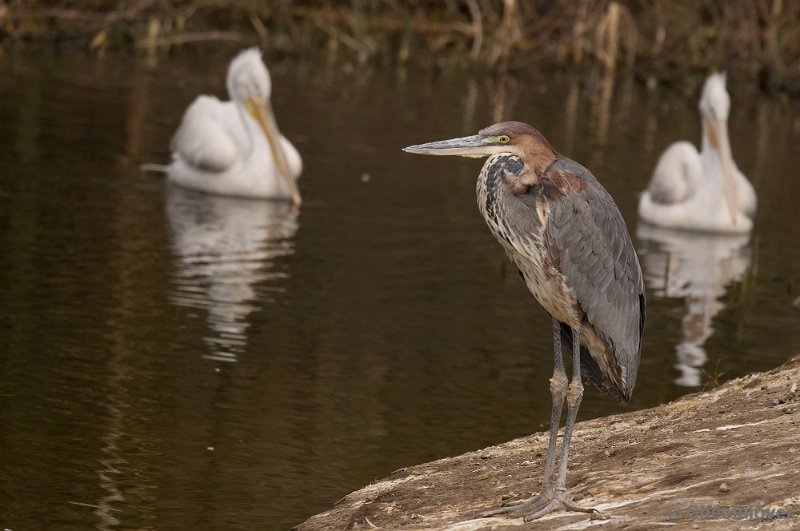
[{"x": 736, "y": 446}]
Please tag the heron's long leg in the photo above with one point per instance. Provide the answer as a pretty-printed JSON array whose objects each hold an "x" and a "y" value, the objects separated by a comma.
[
  {"x": 558, "y": 390},
  {"x": 552, "y": 499},
  {"x": 574, "y": 397}
]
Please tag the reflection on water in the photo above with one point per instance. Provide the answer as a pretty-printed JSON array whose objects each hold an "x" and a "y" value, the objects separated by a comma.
[
  {"x": 695, "y": 267},
  {"x": 225, "y": 249},
  {"x": 398, "y": 338}
]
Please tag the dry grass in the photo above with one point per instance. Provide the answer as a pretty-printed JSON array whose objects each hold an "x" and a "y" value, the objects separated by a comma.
[{"x": 656, "y": 38}]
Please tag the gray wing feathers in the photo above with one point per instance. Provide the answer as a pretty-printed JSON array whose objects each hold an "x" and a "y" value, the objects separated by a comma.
[{"x": 599, "y": 263}]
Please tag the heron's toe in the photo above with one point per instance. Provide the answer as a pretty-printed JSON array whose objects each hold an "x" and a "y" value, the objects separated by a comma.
[
  {"x": 561, "y": 503},
  {"x": 518, "y": 508},
  {"x": 545, "y": 503}
]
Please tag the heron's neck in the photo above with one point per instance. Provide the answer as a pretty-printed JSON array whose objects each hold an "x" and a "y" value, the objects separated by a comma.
[{"x": 499, "y": 172}]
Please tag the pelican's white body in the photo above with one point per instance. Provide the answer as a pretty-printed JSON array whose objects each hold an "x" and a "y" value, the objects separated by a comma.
[
  {"x": 220, "y": 148},
  {"x": 695, "y": 179},
  {"x": 702, "y": 191}
]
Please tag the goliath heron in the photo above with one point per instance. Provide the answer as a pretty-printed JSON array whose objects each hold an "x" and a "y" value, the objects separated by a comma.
[
  {"x": 702, "y": 191},
  {"x": 566, "y": 236},
  {"x": 234, "y": 147}
]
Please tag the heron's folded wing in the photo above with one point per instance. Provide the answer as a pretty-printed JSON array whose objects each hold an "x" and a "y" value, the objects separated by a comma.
[
  {"x": 599, "y": 262},
  {"x": 203, "y": 139}
]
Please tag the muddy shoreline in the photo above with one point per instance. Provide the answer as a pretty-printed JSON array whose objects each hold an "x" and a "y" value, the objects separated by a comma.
[{"x": 711, "y": 459}]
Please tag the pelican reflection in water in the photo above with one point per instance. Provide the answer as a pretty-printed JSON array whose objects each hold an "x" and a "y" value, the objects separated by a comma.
[
  {"x": 226, "y": 249},
  {"x": 696, "y": 267}
]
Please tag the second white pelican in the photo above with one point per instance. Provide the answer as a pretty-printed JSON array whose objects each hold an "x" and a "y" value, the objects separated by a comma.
[
  {"x": 234, "y": 147},
  {"x": 702, "y": 191}
]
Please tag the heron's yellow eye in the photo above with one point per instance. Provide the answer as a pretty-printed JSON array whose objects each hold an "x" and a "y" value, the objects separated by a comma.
[{"x": 503, "y": 139}]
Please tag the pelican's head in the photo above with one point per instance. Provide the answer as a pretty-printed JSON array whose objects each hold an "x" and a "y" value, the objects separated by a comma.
[
  {"x": 248, "y": 77},
  {"x": 249, "y": 85},
  {"x": 715, "y": 100},
  {"x": 715, "y": 104}
]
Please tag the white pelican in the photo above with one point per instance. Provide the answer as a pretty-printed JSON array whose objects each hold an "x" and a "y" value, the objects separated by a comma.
[
  {"x": 702, "y": 191},
  {"x": 234, "y": 147}
]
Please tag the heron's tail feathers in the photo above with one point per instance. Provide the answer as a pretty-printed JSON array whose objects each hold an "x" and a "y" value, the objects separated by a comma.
[{"x": 592, "y": 371}]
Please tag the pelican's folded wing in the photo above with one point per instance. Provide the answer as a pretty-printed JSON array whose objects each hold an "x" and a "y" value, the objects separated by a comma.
[
  {"x": 675, "y": 178},
  {"x": 203, "y": 139}
]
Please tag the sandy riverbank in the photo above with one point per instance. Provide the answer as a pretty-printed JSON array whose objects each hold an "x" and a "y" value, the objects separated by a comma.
[{"x": 737, "y": 446}]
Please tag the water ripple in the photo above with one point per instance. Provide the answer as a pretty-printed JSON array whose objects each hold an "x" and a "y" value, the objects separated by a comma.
[{"x": 225, "y": 250}]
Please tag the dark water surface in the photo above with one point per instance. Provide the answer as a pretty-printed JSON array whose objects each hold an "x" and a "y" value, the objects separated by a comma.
[{"x": 175, "y": 360}]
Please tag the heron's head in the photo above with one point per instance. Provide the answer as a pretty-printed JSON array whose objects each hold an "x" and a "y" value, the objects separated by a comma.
[
  {"x": 249, "y": 84},
  {"x": 515, "y": 138}
]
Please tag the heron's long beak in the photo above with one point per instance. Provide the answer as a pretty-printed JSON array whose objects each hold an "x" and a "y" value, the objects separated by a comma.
[
  {"x": 262, "y": 112},
  {"x": 468, "y": 146},
  {"x": 717, "y": 131}
]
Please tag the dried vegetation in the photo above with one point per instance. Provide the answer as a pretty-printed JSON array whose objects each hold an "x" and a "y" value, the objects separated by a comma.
[{"x": 660, "y": 39}]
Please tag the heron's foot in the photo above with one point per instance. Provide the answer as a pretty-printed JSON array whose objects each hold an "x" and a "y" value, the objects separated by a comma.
[{"x": 533, "y": 508}]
